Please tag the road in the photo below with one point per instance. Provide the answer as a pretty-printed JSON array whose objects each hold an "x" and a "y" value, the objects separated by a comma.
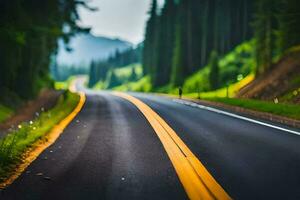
[{"x": 110, "y": 151}]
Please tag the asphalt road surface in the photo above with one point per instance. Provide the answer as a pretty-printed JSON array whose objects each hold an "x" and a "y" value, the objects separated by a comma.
[{"x": 110, "y": 151}]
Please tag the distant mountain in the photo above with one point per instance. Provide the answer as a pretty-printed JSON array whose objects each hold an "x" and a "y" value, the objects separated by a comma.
[{"x": 87, "y": 47}]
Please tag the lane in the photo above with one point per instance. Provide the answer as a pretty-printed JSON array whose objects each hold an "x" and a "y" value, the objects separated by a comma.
[
  {"x": 250, "y": 161},
  {"x": 108, "y": 152},
  {"x": 196, "y": 180}
]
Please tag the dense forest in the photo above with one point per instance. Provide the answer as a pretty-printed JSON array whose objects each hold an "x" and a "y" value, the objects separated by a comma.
[
  {"x": 29, "y": 33},
  {"x": 100, "y": 70},
  {"x": 185, "y": 36}
]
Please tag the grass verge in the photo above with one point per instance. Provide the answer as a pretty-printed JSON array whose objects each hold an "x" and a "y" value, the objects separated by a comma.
[
  {"x": 18, "y": 142},
  {"x": 286, "y": 110}
]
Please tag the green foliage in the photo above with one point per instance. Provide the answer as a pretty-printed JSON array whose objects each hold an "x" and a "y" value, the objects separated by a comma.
[
  {"x": 238, "y": 62},
  {"x": 177, "y": 77},
  {"x": 64, "y": 85},
  {"x": 289, "y": 24},
  {"x": 214, "y": 71},
  {"x": 198, "y": 81},
  {"x": 28, "y": 35},
  {"x": 265, "y": 26},
  {"x": 101, "y": 71},
  {"x": 18, "y": 141},
  {"x": 113, "y": 80},
  {"x": 142, "y": 85},
  {"x": 181, "y": 36},
  {"x": 277, "y": 29},
  {"x": 93, "y": 76},
  {"x": 222, "y": 92},
  {"x": 125, "y": 73},
  {"x": 120, "y": 76},
  {"x": 288, "y": 110},
  {"x": 5, "y": 113},
  {"x": 150, "y": 43}
]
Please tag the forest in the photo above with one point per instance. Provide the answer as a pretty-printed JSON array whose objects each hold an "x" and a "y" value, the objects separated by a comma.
[
  {"x": 185, "y": 40},
  {"x": 104, "y": 70},
  {"x": 186, "y": 36},
  {"x": 29, "y": 33}
]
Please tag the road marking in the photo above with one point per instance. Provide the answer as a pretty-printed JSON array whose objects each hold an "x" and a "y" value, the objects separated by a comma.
[
  {"x": 196, "y": 180},
  {"x": 49, "y": 139},
  {"x": 184, "y": 102}
]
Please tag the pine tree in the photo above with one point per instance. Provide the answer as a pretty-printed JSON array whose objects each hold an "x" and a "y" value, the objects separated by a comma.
[
  {"x": 133, "y": 75},
  {"x": 265, "y": 28},
  {"x": 93, "y": 78},
  {"x": 165, "y": 41},
  {"x": 214, "y": 70},
  {"x": 149, "y": 51},
  {"x": 289, "y": 24}
]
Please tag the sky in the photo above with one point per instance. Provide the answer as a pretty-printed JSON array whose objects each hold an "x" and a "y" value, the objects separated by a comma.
[{"x": 124, "y": 19}]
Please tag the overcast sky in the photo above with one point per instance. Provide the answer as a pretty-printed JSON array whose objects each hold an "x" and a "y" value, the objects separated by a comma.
[{"x": 124, "y": 19}]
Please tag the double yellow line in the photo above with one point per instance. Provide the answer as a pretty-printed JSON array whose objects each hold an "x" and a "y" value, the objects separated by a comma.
[{"x": 196, "y": 180}]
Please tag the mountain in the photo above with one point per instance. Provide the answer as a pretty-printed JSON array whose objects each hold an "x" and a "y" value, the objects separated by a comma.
[{"x": 87, "y": 47}]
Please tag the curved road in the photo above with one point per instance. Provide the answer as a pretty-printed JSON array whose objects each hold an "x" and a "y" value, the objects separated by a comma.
[{"x": 110, "y": 151}]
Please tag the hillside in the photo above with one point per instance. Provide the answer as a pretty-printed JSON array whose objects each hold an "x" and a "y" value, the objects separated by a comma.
[
  {"x": 87, "y": 47},
  {"x": 281, "y": 83}
]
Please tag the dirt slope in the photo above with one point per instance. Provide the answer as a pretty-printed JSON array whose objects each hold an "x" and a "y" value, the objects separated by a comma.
[
  {"x": 282, "y": 82},
  {"x": 46, "y": 100}
]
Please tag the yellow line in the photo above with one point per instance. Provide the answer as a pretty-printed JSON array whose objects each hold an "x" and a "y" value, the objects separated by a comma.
[
  {"x": 196, "y": 180},
  {"x": 41, "y": 145}
]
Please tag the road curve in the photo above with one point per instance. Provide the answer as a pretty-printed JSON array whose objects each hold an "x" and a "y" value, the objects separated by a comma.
[
  {"x": 249, "y": 160},
  {"x": 110, "y": 151}
]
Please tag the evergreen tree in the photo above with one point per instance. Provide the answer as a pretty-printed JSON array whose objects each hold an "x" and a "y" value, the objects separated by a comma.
[
  {"x": 187, "y": 31},
  {"x": 133, "y": 75},
  {"x": 214, "y": 70},
  {"x": 289, "y": 24},
  {"x": 166, "y": 33},
  {"x": 28, "y": 35},
  {"x": 265, "y": 28},
  {"x": 93, "y": 79},
  {"x": 150, "y": 43}
]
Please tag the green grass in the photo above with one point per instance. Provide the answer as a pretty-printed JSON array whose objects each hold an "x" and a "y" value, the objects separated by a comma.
[
  {"x": 123, "y": 75},
  {"x": 15, "y": 144},
  {"x": 197, "y": 81},
  {"x": 287, "y": 110},
  {"x": 233, "y": 66},
  {"x": 290, "y": 96},
  {"x": 232, "y": 89},
  {"x": 64, "y": 85},
  {"x": 142, "y": 85},
  {"x": 125, "y": 72},
  {"x": 5, "y": 113},
  {"x": 101, "y": 85}
]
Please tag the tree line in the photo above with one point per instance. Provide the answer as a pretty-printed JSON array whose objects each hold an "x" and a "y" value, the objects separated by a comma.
[
  {"x": 186, "y": 35},
  {"x": 29, "y": 33},
  {"x": 99, "y": 70}
]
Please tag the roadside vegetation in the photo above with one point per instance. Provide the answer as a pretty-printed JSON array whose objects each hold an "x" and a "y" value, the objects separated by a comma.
[
  {"x": 64, "y": 85},
  {"x": 5, "y": 113},
  {"x": 121, "y": 77},
  {"x": 287, "y": 110},
  {"x": 24, "y": 137},
  {"x": 214, "y": 51}
]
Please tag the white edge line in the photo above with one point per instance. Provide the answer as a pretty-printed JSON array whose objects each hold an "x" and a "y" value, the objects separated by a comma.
[{"x": 234, "y": 115}]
